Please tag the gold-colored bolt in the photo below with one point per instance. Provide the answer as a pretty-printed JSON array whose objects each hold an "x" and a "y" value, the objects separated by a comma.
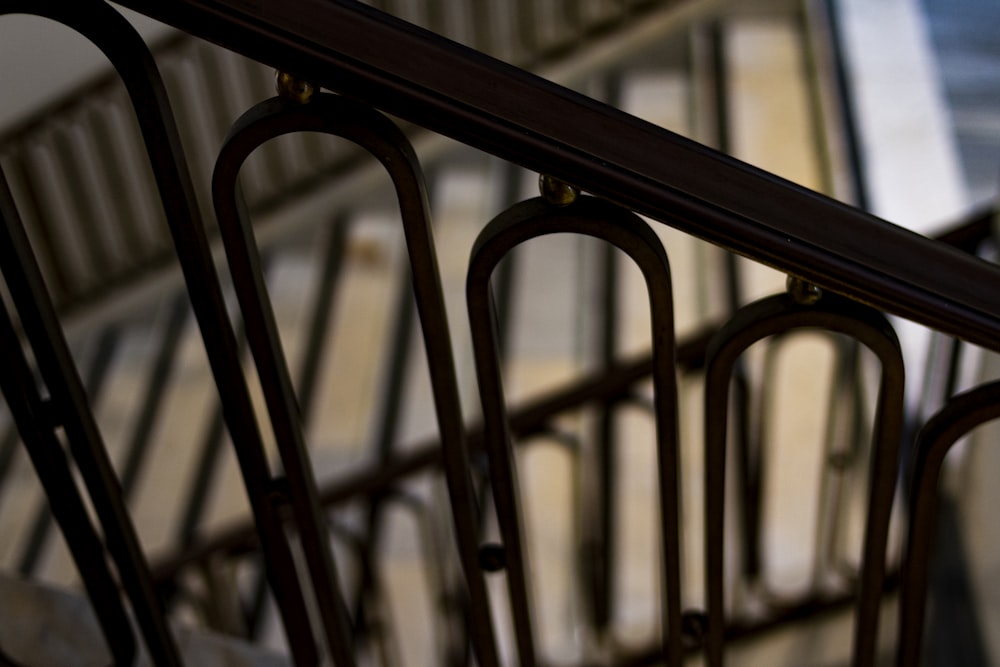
[
  {"x": 292, "y": 88},
  {"x": 556, "y": 192},
  {"x": 802, "y": 291}
]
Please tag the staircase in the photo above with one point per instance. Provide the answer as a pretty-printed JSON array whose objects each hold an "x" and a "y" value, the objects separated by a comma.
[{"x": 761, "y": 81}]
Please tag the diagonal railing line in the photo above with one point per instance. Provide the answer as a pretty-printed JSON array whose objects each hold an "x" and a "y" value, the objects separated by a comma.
[{"x": 511, "y": 113}]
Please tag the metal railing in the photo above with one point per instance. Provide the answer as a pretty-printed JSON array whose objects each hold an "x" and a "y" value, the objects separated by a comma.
[{"x": 847, "y": 266}]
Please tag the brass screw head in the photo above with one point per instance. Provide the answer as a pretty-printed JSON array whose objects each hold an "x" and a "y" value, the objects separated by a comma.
[
  {"x": 556, "y": 192},
  {"x": 291, "y": 88},
  {"x": 802, "y": 291}
]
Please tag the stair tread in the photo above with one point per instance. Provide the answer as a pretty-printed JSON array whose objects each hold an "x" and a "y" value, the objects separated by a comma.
[{"x": 43, "y": 625}]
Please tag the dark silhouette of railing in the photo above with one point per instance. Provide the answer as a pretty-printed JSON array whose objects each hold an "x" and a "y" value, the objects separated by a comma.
[{"x": 846, "y": 267}]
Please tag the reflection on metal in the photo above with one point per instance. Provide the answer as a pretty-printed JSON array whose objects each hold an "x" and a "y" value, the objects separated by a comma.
[
  {"x": 557, "y": 192},
  {"x": 292, "y": 88},
  {"x": 803, "y": 292}
]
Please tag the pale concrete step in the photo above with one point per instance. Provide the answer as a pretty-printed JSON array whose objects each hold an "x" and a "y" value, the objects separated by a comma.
[{"x": 44, "y": 625}]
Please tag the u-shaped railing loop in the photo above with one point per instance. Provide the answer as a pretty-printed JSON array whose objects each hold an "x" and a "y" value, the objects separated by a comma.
[
  {"x": 211, "y": 443},
  {"x": 959, "y": 417},
  {"x": 340, "y": 117},
  {"x": 123, "y": 47},
  {"x": 130, "y": 57},
  {"x": 756, "y": 322},
  {"x": 615, "y": 225}
]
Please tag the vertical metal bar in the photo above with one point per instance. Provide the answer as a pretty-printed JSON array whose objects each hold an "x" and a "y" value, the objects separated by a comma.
[
  {"x": 309, "y": 363},
  {"x": 69, "y": 402},
  {"x": 722, "y": 140},
  {"x": 63, "y": 286},
  {"x": 8, "y": 448},
  {"x": 322, "y": 308},
  {"x": 96, "y": 375},
  {"x": 959, "y": 416},
  {"x": 844, "y": 438},
  {"x": 196, "y": 500},
  {"x": 205, "y": 469},
  {"x": 387, "y": 430},
  {"x": 602, "y": 560},
  {"x": 525, "y": 24},
  {"x": 69, "y": 167},
  {"x": 117, "y": 192},
  {"x": 153, "y": 393},
  {"x": 484, "y": 37},
  {"x": 749, "y": 465},
  {"x": 504, "y": 282},
  {"x": 828, "y": 15}
]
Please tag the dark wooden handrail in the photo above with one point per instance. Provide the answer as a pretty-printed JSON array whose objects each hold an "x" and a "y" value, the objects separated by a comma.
[{"x": 419, "y": 76}]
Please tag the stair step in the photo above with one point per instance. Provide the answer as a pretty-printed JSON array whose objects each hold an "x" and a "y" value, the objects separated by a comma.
[{"x": 42, "y": 625}]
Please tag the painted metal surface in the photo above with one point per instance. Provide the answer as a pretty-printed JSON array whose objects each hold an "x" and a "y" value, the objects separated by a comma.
[{"x": 631, "y": 166}]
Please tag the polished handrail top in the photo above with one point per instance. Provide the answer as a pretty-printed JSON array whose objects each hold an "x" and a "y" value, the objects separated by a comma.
[{"x": 414, "y": 74}]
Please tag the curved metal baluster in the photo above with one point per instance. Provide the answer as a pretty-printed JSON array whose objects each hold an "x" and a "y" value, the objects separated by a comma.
[
  {"x": 126, "y": 51},
  {"x": 755, "y": 322},
  {"x": 28, "y": 411},
  {"x": 340, "y": 117},
  {"x": 625, "y": 230},
  {"x": 94, "y": 383},
  {"x": 959, "y": 416},
  {"x": 321, "y": 312},
  {"x": 68, "y": 407},
  {"x": 387, "y": 421}
]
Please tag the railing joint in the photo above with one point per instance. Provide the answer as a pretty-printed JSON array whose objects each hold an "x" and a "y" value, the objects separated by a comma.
[
  {"x": 557, "y": 192},
  {"x": 290, "y": 87},
  {"x": 802, "y": 291}
]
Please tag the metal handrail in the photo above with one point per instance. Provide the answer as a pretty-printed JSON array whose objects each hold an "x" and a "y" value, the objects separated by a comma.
[{"x": 518, "y": 116}]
